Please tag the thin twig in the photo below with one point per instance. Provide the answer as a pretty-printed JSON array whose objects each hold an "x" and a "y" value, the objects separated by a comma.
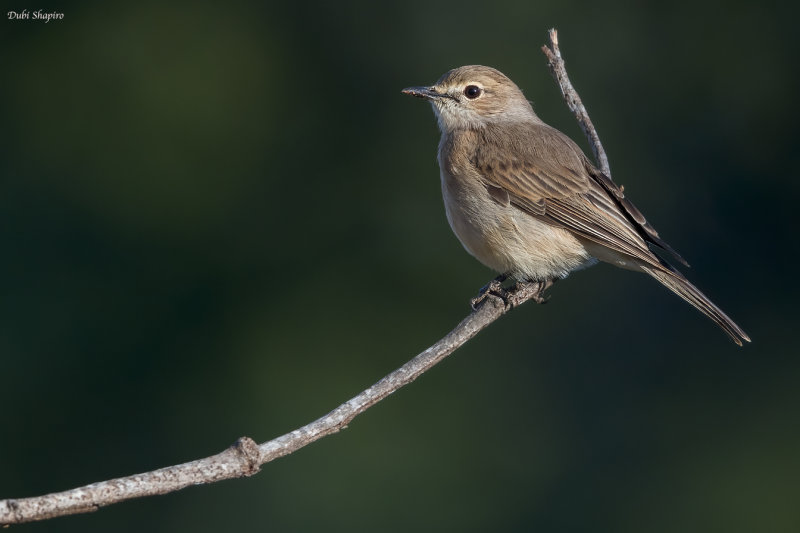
[
  {"x": 559, "y": 71},
  {"x": 245, "y": 457}
]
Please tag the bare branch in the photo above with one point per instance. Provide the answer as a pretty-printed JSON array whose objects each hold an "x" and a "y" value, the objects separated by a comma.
[
  {"x": 573, "y": 101},
  {"x": 245, "y": 457}
]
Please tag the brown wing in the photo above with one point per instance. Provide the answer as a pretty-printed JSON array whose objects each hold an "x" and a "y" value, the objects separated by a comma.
[
  {"x": 547, "y": 176},
  {"x": 636, "y": 216}
]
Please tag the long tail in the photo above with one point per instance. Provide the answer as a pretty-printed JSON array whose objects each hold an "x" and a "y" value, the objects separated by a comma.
[{"x": 680, "y": 286}]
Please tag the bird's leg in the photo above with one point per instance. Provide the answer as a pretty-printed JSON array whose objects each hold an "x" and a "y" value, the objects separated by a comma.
[
  {"x": 494, "y": 288},
  {"x": 529, "y": 290},
  {"x": 519, "y": 293}
]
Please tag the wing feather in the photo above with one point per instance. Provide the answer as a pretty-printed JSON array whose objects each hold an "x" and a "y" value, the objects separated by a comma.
[{"x": 550, "y": 178}]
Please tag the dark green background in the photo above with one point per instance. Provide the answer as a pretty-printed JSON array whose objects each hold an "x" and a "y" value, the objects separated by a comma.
[{"x": 225, "y": 220}]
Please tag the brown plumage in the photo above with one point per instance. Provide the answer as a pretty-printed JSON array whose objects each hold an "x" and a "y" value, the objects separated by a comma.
[{"x": 524, "y": 199}]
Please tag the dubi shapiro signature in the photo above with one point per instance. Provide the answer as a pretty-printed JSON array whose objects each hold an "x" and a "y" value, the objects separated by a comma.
[{"x": 34, "y": 15}]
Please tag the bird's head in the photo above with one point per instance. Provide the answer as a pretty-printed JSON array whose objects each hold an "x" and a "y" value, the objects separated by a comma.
[{"x": 471, "y": 97}]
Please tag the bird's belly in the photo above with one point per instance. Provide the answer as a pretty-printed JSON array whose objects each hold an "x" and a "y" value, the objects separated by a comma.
[{"x": 509, "y": 240}]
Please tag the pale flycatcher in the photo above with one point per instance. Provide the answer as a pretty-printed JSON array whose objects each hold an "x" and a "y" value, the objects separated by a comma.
[{"x": 524, "y": 199}]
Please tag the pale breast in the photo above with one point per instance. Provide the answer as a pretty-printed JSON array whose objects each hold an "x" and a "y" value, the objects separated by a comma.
[{"x": 504, "y": 238}]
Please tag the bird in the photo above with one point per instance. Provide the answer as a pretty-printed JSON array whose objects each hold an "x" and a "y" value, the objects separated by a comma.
[{"x": 524, "y": 199}]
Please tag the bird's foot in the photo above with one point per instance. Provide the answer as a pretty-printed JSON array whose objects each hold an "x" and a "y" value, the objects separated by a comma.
[
  {"x": 519, "y": 293},
  {"x": 531, "y": 290},
  {"x": 493, "y": 288}
]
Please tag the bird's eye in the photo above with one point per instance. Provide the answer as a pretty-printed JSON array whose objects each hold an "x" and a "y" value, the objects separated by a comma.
[{"x": 472, "y": 91}]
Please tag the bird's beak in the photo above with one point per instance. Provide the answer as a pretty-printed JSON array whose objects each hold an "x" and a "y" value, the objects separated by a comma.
[{"x": 429, "y": 93}]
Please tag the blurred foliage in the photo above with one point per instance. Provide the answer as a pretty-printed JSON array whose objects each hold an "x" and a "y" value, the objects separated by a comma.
[{"x": 226, "y": 221}]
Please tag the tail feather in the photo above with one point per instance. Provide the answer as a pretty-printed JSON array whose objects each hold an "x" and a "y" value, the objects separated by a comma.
[{"x": 675, "y": 282}]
